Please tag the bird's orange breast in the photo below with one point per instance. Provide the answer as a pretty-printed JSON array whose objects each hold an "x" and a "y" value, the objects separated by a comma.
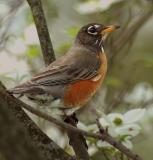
[{"x": 80, "y": 92}]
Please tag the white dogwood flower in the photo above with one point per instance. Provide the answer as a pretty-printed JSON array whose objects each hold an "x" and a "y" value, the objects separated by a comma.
[
  {"x": 89, "y": 128},
  {"x": 127, "y": 142},
  {"x": 123, "y": 124},
  {"x": 122, "y": 127}
]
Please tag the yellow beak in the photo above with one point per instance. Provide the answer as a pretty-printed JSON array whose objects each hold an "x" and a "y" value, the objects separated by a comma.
[{"x": 109, "y": 29}]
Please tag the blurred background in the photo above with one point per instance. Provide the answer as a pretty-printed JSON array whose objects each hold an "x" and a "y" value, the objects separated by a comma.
[{"x": 129, "y": 81}]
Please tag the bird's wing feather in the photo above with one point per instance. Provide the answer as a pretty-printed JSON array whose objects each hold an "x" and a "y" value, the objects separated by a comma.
[
  {"x": 74, "y": 67},
  {"x": 79, "y": 64}
]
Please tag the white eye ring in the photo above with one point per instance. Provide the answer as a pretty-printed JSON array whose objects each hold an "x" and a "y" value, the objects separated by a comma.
[
  {"x": 97, "y": 25},
  {"x": 90, "y": 31}
]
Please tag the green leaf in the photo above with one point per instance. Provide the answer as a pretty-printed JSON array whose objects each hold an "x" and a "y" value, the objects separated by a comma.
[
  {"x": 62, "y": 49},
  {"x": 148, "y": 61},
  {"x": 73, "y": 31},
  {"x": 33, "y": 51},
  {"x": 113, "y": 81}
]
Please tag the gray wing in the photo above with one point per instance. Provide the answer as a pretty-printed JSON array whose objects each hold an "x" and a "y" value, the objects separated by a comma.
[{"x": 78, "y": 65}]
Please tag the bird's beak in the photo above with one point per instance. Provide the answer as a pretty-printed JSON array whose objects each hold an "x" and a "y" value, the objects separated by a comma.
[{"x": 109, "y": 29}]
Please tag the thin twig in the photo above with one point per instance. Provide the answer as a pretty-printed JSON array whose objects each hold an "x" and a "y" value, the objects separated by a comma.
[
  {"x": 104, "y": 136},
  {"x": 43, "y": 33}
]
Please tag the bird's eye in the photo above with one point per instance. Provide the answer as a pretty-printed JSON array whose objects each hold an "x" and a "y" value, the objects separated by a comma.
[{"x": 92, "y": 30}]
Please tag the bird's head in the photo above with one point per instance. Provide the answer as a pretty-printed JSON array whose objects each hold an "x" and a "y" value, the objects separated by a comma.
[{"x": 93, "y": 35}]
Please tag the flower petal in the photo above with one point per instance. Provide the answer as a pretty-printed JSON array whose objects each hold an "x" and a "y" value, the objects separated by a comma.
[
  {"x": 112, "y": 131},
  {"x": 92, "y": 150},
  {"x": 103, "y": 144},
  {"x": 82, "y": 126},
  {"x": 93, "y": 128},
  {"x": 127, "y": 143},
  {"x": 130, "y": 129},
  {"x": 133, "y": 115},
  {"x": 104, "y": 122},
  {"x": 90, "y": 128}
]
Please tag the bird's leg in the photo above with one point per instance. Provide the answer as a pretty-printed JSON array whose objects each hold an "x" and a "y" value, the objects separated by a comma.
[{"x": 73, "y": 120}]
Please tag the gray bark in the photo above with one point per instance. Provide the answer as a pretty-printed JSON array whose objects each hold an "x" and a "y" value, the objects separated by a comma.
[{"x": 20, "y": 137}]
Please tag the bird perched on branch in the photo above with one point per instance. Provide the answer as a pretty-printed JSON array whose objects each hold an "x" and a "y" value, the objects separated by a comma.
[{"x": 75, "y": 77}]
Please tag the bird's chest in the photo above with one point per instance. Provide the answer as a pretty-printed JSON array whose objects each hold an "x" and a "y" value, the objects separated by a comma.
[{"x": 80, "y": 92}]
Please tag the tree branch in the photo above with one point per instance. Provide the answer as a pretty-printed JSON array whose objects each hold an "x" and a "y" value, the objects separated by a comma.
[
  {"x": 43, "y": 33},
  {"x": 15, "y": 143},
  {"x": 104, "y": 136},
  {"x": 46, "y": 147},
  {"x": 77, "y": 140}
]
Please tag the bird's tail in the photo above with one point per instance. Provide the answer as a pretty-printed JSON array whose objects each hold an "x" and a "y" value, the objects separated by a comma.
[{"x": 23, "y": 88}]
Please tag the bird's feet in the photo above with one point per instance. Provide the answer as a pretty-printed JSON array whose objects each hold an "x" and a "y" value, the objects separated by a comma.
[{"x": 71, "y": 119}]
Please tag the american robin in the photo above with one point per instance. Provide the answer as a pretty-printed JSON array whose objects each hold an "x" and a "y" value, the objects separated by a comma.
[{"x": 75, "y": 77}]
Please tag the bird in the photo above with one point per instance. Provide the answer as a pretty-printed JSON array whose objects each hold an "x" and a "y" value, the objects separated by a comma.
[{"x": 76, "y": 76}]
